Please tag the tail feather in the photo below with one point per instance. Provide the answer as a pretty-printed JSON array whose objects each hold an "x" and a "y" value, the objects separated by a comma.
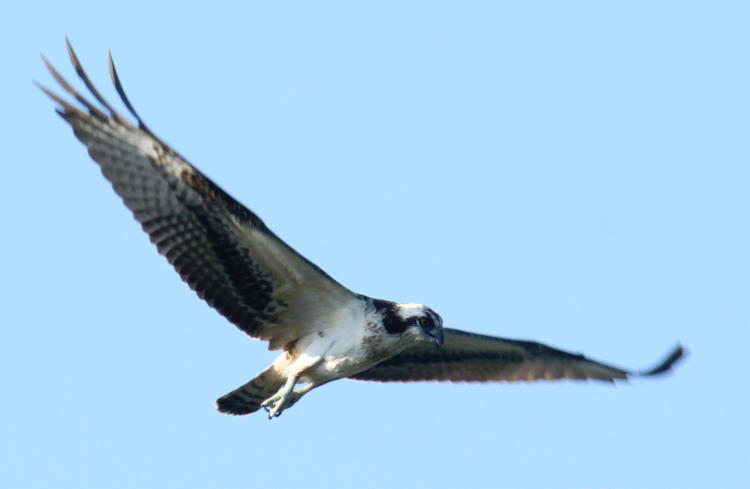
[{"x": 248, "y": 398}]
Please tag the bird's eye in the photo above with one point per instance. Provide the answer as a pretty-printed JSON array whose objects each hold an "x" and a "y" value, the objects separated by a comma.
[{"x": 425, "y": 322}]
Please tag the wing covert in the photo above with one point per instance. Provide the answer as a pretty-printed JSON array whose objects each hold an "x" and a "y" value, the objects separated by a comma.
[{"x": 221, "y": 249}]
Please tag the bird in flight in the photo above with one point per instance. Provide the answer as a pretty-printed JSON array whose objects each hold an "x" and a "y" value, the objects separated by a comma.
[{"x": 325, "y": 332}]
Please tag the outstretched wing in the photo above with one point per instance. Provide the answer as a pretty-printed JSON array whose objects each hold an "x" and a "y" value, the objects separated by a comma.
[
  {"x": 220, "y": 248},
  {"x": 473, "y": 357}
]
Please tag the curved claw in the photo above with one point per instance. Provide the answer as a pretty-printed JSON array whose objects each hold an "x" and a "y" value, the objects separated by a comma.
[{"x": 274, "y": 406}]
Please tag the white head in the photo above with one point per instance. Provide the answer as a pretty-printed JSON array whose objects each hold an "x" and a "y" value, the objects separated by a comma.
[{"x": 418, "y": 324}]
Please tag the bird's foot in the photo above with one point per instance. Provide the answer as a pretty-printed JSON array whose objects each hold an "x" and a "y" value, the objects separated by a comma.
[
  {"x": 284, "y": 399},
  {"x": 276, "y": 404}
]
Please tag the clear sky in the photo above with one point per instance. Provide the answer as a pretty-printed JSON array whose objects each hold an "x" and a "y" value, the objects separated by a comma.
[{"x": 573, "y": 173}]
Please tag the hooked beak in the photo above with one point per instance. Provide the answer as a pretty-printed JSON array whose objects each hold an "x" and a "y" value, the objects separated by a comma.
[{"x": 436, "y": 335}]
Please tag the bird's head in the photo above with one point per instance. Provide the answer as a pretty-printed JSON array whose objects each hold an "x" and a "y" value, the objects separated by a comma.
[{"x": 422, "y": 324}]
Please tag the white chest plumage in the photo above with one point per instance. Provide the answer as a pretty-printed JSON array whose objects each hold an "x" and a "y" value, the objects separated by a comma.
[{"x": 352, "y": 340}]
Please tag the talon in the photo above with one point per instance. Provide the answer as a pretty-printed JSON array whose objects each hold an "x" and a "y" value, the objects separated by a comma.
[
  {"x": 274, "y": 406},
  {"x": 275, "y": 412}
]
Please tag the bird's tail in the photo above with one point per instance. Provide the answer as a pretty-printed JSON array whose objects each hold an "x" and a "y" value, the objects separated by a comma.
[{"x": 248, "y": 398}]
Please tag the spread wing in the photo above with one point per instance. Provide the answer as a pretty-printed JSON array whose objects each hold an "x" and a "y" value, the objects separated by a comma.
[
  {"x": 478, "y": 358},
  {"x": 220, "y": 248}
]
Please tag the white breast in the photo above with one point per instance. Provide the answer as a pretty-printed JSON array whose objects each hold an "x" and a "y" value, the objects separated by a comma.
[{"x": 351, "y": 341}]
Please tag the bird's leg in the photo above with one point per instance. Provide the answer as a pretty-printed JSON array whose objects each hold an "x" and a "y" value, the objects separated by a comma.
[
  {"x": 298, "y": 392},
  {"x": 276, "y": 404}
]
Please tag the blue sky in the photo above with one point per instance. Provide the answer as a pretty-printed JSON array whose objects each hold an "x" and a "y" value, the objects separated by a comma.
[{"x": 575, "y": 174}]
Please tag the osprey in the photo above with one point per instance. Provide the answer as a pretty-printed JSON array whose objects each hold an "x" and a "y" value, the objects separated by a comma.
[{"x": 228, "y": 256}]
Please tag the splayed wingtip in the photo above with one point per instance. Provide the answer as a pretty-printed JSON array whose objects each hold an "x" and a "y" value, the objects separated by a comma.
[{"x": 666, "y": 365}]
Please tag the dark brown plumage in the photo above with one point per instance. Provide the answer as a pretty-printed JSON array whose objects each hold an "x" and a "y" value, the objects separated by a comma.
[
  {"x": 471, "y": 357},
  {"x": 219, "y": 248}
]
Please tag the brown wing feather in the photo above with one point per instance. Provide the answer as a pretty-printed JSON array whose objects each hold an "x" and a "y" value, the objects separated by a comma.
[
  {"x": 473, "y": 357},
  {"x": 220, "y": 248}
]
